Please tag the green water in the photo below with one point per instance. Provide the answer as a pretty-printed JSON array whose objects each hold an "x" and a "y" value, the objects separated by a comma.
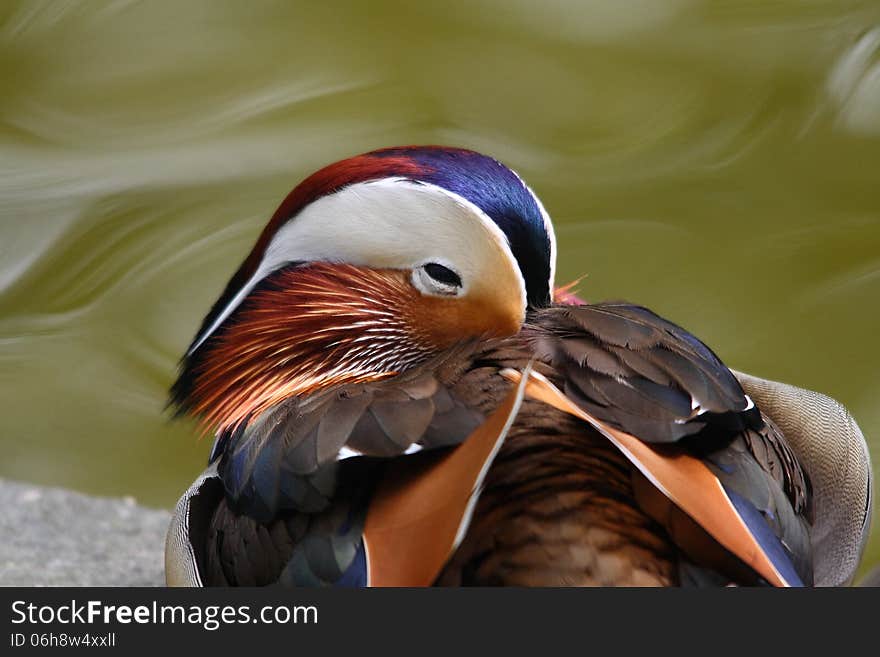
[{"x": 718, "y": 161}]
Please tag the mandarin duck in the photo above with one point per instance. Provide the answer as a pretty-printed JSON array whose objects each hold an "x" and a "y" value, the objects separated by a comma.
[{"x": 400, "y": 397}]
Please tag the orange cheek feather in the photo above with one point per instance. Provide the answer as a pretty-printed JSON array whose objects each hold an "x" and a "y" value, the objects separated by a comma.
[
  {"x": 444, "y": 321},
  {"x": 305, "y": 330}
]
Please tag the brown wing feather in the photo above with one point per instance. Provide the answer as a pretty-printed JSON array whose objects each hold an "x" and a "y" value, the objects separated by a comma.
[
  {"x": 558, "y": 509},
  {"x": 648, "y": 378},
  {"x": 685, "y": 480},
  {"x": 638, "y": 372},
  {"x": 298, "y": 439},
  {"x": 770, "y": 449}
]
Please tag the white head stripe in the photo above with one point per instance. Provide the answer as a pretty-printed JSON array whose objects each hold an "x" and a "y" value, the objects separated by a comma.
[{"x": 390, "y": 223}]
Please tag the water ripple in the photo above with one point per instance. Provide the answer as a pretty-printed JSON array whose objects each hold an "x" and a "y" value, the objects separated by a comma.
[{"x": 854, "y": 85}]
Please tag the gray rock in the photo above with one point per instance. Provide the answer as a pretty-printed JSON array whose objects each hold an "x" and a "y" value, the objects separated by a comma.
[{"x": 55, "y": 537}]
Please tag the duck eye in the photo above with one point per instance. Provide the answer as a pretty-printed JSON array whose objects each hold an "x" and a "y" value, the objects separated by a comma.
[{"x": 442, "y": 274}]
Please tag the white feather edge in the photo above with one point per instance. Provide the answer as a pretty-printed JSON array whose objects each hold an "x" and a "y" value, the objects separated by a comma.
[
  {"x": 478, "y": 483},
  {"x": 548, "y": 228},
  {"x": 477, "y": 488}
]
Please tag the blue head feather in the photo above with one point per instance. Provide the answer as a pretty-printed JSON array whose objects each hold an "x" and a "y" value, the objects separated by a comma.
[{"x": 498, "y": 192}]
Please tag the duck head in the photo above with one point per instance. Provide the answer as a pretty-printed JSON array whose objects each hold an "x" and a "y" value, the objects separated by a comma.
[{"x": 369, "y": 267}]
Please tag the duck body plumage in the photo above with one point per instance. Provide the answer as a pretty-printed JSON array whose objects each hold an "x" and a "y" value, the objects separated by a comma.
[
  {"x": 400, "y": 397},
  {"x": 560, "y": 504}
]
